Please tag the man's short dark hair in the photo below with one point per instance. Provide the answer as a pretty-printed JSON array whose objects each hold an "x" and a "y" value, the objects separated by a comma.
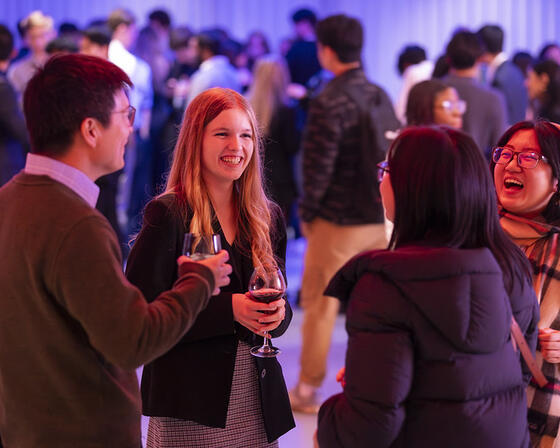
[
  {"x": 304, "y": 15},
  {"x": 62, "y": 45},
  {"x": 343, "y": 34},
  {"x": 67, "y": 28},
  {"x": 179, "y": 37},
  {"x": 463, "y": 50},
  {"x": 161, "y": 16},
  {"x": 6, "y": 43},
  {"x": 410, "y": 55},
  {"x": 211, "y": 41},
  {"x": 66, "y": 91},
  {"x": 120, "y": 16},
  {"x": 492, "y": 36},
  {"x": 100, "y": 35}
]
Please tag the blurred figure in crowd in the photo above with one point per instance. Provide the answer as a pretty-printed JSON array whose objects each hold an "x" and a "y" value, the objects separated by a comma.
[
  {"x": 13, "y": 134},
  {"x": 135, "y": 187},
  {"x": 543, "y": 86},
  {"x": 550, "y": 51},
  {"x": 524, "y": 60},
  {"x": 434, "y": 102},
  {"x": 503, "y": 74},
  {"x": 485, "y": 118},
  {"x": 215, "y": 69},
  {"x": 95, "y": 41},
  {"x": 276, "y": 116},
  {"x": 38, "y": 31},
  {"x": 413, "y": 66},
  {"x": 302, "y": 56}
]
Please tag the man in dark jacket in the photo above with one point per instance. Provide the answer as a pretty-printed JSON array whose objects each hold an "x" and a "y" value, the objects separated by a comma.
[{"x": 340, "y": 210}]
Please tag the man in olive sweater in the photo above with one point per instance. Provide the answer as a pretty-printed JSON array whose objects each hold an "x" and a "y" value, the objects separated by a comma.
[{"x": 72, "y": 329}]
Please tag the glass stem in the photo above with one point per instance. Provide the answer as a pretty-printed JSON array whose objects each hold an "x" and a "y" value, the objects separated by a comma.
[{"x": 266, "y": 344}]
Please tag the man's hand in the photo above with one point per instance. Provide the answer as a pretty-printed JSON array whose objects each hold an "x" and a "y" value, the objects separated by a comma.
[{"x": 217, "y": 264}]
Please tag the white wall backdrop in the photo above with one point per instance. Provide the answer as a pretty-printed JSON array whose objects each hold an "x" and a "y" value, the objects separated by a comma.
[{"x": 389, "y": 24}]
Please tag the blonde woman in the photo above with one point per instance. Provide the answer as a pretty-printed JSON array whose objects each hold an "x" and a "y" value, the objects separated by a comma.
[
  {"x": 277, "y": 118},
  {"x": 208, "y": 391}
]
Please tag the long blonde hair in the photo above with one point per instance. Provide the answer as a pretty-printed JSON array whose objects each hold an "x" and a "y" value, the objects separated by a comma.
[
  {"x": 186, "y": 181},
  {"x": 268, "y": 91}
]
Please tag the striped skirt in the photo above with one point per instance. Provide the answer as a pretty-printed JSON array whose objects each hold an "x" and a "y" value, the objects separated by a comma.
[{"x": 244, "y": 422}]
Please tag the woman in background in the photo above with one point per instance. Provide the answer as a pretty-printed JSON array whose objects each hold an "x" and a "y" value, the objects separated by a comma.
[
  {"x": 277, "y": 118},
  {"x": 208, "y": 391},
  {"x": 526, "y": 167},
  {"x": 543, "y": 87},
  {"x": 433, "y": 102},
  {"x": 430, "y": 361}
]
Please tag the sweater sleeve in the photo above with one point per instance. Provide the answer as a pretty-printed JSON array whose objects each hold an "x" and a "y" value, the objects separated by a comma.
[
  {"x": 88, "y": 281},
  {"x": 379, "y": 371},
  {"x": 152, "y": 267}
]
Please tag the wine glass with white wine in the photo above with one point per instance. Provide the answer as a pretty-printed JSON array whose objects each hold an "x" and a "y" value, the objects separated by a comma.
[{"x": 199, "y": 247}]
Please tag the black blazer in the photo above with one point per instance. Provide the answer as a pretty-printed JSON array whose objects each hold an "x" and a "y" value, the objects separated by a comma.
[{"x": 193, "y": 380}]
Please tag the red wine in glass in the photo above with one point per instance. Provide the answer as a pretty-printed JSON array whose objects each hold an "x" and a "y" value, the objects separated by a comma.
[
  {"x": 265, "y": 286},
  {"x": 266, "y": 295}
]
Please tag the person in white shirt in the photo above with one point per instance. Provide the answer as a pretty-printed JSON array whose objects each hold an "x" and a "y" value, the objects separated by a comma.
[
  {"x": 414, "y": 68},
  {"x": 215, "y": 69},
  {"x": 136, "y": 181}
]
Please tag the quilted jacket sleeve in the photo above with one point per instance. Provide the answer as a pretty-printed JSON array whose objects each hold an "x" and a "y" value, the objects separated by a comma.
[{"x": 379, "y": 371}]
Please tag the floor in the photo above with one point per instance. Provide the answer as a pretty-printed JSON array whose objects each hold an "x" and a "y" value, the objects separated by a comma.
[{"x": 289, "y": 343}]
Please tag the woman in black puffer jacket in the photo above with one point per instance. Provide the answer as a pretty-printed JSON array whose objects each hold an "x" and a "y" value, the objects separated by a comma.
[{"x": 430, "y": 362}]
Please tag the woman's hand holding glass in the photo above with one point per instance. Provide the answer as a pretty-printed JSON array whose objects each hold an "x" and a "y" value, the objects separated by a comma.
[{"x": 251, "y": 314}]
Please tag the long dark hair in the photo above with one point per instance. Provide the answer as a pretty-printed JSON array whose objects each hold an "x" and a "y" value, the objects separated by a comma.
[
  {"x": 548, "y": 136},
  {"x": 550, "y": 102},
  {"x": 444, "y": 196}
]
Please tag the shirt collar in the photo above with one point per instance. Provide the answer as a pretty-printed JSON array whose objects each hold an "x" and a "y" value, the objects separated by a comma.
[
  {"x": 498, "y": 60},
  {"x": 121, "y": 57},
  {"x": 213, "y": 61},
  {"x": 67, "y": 175}
]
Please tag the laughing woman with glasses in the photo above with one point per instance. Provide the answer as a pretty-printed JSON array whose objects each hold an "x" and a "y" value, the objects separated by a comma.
[{"x": 526, "y": 167}]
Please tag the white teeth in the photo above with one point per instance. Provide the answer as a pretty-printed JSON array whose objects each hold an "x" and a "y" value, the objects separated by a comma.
[
  {"x": 234, "y": 160},
  {"x": 513, "y": 183}
]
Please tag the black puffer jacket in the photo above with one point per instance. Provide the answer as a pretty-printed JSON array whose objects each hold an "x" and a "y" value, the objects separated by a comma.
[{"x": 430, "y": 362}]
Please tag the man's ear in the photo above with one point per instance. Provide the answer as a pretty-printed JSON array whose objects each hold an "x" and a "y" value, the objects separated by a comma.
[{"x": 89, "y": 130}]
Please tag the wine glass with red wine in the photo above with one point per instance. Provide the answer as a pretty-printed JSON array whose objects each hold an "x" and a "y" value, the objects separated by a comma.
[{"x": 265, "y": 286}]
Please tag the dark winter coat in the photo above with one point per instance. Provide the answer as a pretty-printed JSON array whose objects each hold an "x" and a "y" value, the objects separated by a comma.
[{"x": 430, "y": 361}]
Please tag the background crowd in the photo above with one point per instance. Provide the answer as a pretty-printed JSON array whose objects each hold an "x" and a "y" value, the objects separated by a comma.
[{"x": 325, "y": 127}]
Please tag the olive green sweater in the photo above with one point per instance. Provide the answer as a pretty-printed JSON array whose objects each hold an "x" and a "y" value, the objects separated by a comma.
[{"x": 72, "y": 328}]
